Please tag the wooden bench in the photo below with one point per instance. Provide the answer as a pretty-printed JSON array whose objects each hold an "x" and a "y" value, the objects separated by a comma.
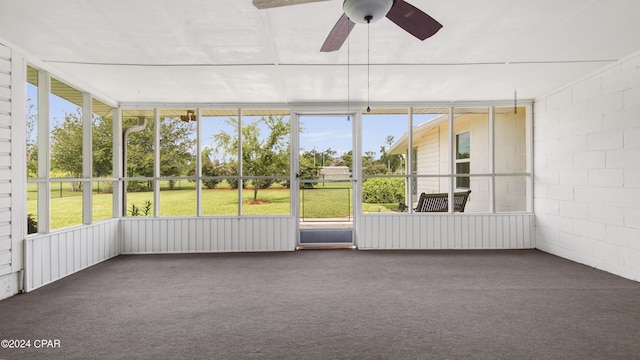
[{"x": 439, "y": 202}]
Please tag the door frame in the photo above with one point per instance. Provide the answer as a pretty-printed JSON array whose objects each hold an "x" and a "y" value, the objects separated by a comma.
[{"x": 356, "y": 172}]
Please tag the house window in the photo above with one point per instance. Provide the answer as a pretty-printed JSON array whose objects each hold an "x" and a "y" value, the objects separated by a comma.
[{"x": 463, "y": 155}]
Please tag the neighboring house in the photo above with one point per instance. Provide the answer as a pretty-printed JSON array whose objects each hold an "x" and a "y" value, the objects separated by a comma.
[
  {"x": 431, "y": 164},
  {"x": 334, "y": 173}
]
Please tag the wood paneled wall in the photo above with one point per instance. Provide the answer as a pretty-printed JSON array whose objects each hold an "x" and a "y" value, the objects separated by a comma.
[
  {"x": 192, "y": 235},
  {"x": 446, "y": 231},
  {"x": 54, "y": 256}
]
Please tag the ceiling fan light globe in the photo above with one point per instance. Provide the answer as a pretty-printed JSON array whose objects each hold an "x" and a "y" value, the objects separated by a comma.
[{"x": 359, "y": 10}]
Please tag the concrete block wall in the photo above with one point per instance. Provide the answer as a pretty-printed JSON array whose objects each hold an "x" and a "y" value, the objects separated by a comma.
[{"x": 587, "y": 170}]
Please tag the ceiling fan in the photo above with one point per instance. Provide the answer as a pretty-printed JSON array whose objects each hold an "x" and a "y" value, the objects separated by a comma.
[{"x": 403, "y": 14}]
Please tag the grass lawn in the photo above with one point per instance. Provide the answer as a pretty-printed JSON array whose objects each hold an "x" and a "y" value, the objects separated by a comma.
[{"x": 330, "y": 201}]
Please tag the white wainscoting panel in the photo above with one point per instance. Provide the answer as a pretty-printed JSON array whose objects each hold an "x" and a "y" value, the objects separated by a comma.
[
  {"x": 445, "y": 231},
  {"x": 53, "y": 256},
  {"x": 207, "y": 234}
]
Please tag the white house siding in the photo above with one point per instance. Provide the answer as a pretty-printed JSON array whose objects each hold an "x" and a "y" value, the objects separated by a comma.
[
  {"x": 510, "y": 144},
  {"x": 478, "y": 127},
  {"x": 587, "y": 170},
  {"x": 8, "y": 276},
  {"x": 432, "y": 152},
  {"x": 428, "y": 161},
  {"x": 510, "y": 157},
  {"x": 511, "y": 193}
]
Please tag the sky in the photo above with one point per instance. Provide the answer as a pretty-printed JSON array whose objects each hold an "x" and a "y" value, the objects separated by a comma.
[
  {"x": 321, "y": 132},
  {"x": 332, "y": 131},
  {"x": 335, "y": 132}
]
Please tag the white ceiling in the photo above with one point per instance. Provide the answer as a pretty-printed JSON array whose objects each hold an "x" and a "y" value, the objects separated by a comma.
[{"x": 214, "y": 51}]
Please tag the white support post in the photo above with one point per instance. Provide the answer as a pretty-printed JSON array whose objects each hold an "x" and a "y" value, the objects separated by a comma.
[
  {"x": 119, "y": 207},
  {"x": 529, "y": 155},
  {"x": 240, "y": 171},
  {"x": 356, "y": 173},
  {"x": 452, "y": 160},
  {"x": 156, "y": 162},
  {"x": 294, "y": 179},
  {"x": 87, "y": 159},
  {"x": 492, "y": 159},
  {"x": 198, "y": 162},
  {"x": 409, "y": 164},
  {"x": 44, "y": 164}
]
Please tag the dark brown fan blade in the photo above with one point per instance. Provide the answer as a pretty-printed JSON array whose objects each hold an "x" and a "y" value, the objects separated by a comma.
[
  {"x": 413, "y": 20},
  {"x": 268, "y": 4},
  {"x": 338, "y": 34}
]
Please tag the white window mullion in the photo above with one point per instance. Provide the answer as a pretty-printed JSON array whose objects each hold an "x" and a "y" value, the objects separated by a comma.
[
  {"x": 529, "y": 157},
  {"x": 44, "y": 160},
  {"x": 451, "y": 161},
  {"x": 87, "y": 159},
  {"x": 156, "y": 162},
  {"x": 240, "y": 172},
  {"x": 492, "y": 159},
  {"x": 356, "y": 172},
  {"x": 294, "y": 176},
  {"x": 198, "y": 162},
  {"x": 411, "y": 180},
  {"x": 118, "y": 164}
]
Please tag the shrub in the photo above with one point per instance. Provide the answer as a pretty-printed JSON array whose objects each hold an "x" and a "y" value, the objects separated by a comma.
[
  {"x": 210, "y": 169},
  {"x": 231, "y": 170},
  {"x": 383, "y": 190},
  {"x": 139, "y": 185},
  {"x": 233, "y": 183},
  {"x": 144, "y": 211},
  {"x": 376, "y": 169},
  {"x": 32, "y": 224},
  {"x": 105, "y": 187}
]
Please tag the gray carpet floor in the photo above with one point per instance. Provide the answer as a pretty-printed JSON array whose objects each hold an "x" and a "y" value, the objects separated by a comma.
[{"x": 331, "y": 304}]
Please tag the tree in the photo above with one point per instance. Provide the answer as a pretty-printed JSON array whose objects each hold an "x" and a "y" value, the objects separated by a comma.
[
  {"x": 261, "y": 155},
  {"x": 139, "y": 152},
  {"x": 102, "y": 144},
  {"x": 32, "y": 141},
  {"x": 308, "y": 168},
  {"x": 327, "y": 156},
  {"x": 308, "y": 172},
  {"x": 347, "y": 160},
  {"x": 66, "y": 147},
  {"x": 209, "y": 168},
  {"x": 176, "y": 149},
  {"x": 369, "y": 158},
  {"x": 376, "y": 169},
  {"x": 393, "y": 162}
]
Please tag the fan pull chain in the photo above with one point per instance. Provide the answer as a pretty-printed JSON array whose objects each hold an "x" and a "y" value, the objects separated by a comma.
[
  {"x": 348, "y": 76},
  {"x": 515, "y": 101}
]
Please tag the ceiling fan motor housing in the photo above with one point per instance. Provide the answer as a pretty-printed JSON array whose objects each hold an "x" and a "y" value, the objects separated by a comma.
[{"x": 366, "y": 11}]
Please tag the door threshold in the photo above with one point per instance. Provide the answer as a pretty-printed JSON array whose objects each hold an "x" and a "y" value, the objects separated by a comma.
[{"x": 325, "y": 247}]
